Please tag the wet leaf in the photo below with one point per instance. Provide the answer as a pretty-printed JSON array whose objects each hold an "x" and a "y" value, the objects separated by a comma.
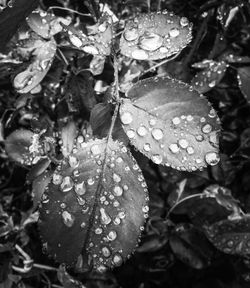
[
  {"x": 98, "y": 201},
  {"x": 23, "y": 146},
  {"x": 38, "y": 169},
  {"x": 43, "y": 53},
  {"x": 155, "y": 36},
  {"x": 210, "y": 77},
  {"x": 68, "y": 135},
  {"x": 170, "y": 123},
  {"x": 12, "y": 17},
  {"x": 231, "y": 236},
  {"x": 38, "y": 187},
  {"x": 191, "y": 246},
  {"x": 244, "y": 81}
]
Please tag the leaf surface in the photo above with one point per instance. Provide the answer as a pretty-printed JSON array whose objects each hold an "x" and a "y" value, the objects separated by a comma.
[
  {"x": 244, "y": 81},
  {"x": 171, "y": 123},
  {"x": 98, "y": 201}
]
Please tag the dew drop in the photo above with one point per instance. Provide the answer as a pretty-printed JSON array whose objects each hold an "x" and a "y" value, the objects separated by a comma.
[
  {"x": 67, "y": 184},
  {"x": 130, "y": 133},
  {"x": 176, "y": 120},
  {"x": 83, "y": 225},
  {"x": 174, "y": 32},
  {"x": 145, "y": 209},
  {"x": 118, "y": 191},
  {"x": 126, "y": 118},
  {"x": 75, "y": 41},
  {"x": 112, "y": 235},
  {"x": 212, "y": 113},
  {"x": 90, "y": 49},
  {"x": 68, "y": 219},
  {"x": 142, "y": 131},
  {"x": 174, "y": 148},
  {"x": 90, "y": 181},
  {"x": 116, "y": 203},
  {"x": 212, "y": 84},
  {"x": 150, "y": 41},
  {"x": 73, "y": 162},
  {"x": 152, "y": 122},
  {"x": 214, "y": 139},
  {"x": 121, "y": 215},
  {"x": 184, "y": 21},
  {"x": 101, "y": 269},
  {"x": 199, "y": 138},
  {"x": 106, "y": 252},
  {"x": 117, "y": 221},
  {"x": 157, "y": 159},
  {"x": 103, "y": 27},
  {"x": 117, "y": 259},
  {"x": 140, "y": 54},
  {"x": 81, "y": 201},
  {"x": 95, "y": 150},
  {"x": 183, "y": 143},
  {"x": 116, "y": 178},
  {"x": 147, "y": 147},
  {"x": 212, "y": 158},
  {"x": 57, "y": 179},
  {"x": 157, "y": 134},
  {"x": 105, "y": 218},
  {"x": 131, "y": 34},
  {"x": 98, "y": 231},
  {"x": 207, "y": 128}
]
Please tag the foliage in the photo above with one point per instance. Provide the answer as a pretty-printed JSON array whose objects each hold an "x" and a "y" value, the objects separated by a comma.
[{"x": 116, "y": 170}]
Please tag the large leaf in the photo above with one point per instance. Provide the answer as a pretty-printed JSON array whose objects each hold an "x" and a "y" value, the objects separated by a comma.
[
  {"x": 171, "y": 123},
  {"x": 43, "y": 53},
  {"x": 244, "y": 81},
  {"x": 231, "y": 236},
  {"x": 155, "y": 36},
  {"x": 98, "y": 203},
  {"x": 12, "y": 16}
]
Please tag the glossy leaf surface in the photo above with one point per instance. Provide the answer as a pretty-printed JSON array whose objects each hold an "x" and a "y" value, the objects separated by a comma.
[
  {"x": 155, "y": 36},
  {"x": 171, "y": 123},
  {"x": 244, "y": 81},
  {"x": 98, "y": 201}
]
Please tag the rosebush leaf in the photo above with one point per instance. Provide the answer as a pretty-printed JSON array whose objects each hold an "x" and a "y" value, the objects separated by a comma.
[
  {"x": 244, "y": 81},
  {"x": 98, "y": 201},
  {"x": 42, "y": 57},
  {"x": 171, "y": 123},
  {"x": 210, "y": 76},
  {"x": 231, "y": 236},
  {"x": 155, "y": 36}
]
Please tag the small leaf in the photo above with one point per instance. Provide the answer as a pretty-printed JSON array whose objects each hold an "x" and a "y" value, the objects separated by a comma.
[
  {"x": 68, "y": 134},
  {"x": 42, "y": 57},
  {"x": 210, "y": 76},
  {"x": 237, "y": 59},
  {"x": 244, "y": 81},
  {"x": 23, "y": 147},
  {"x": 231, "y": 236},
  {"x": 38, "y": 169},
  {"x": 155, "y": 36},
  {"x": 98, "y": 201},
  {"x": 170, "y": 123}
]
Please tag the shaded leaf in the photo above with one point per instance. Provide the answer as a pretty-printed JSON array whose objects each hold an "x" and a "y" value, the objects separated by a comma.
[
  {"x": 155, "y": 36},
  {"x": 43, "y": 53},
  {"x": 98, "y": 202},
  {"x": 38, "y": 169},
  {"x": 12, "y": 17},
  {"x": 170, "y": 123},
  {"x": 210, "y": 76},
  {"x": 231, "y": 236},
  {"x": 67, "y": 280},
  {"x": 244, "y": 81}
]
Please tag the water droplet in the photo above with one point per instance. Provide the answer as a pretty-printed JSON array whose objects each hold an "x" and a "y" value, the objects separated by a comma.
[
  {"x": 75, "y": 41},
  {"x": 96, "y": 149},
  {"x": 80, "y": 188},
  {"x": 212, "y": 84},
  {"x": 121, "y": 215},
  {"x": 57, "y": 179},
  {"x": 176, "y": 120},
  {"x": 103, "y": 27},
  {"x": 63, "y": 205},
  {"x": 174, "y": 148},
  {"x": 131, "y": 34},
  {"x": 116, "y": 203},
  {"x": 150, "y": 41},
  {"x": 145, "y": 209},
  {"x": 67, "y": 184},
  {"x": 212, "y": 113},
  {"x": 73, "y": 162},
  {"x": 105, "y": 218},
  {"x": 183, "y": 143},
  {"x": 190, "y": 118},
  {"x": 116, "y": 178},
  {"x": 68, "y": 219},
  {"x": 142, "y": 131},
  {"x": 157, "y": 159},
  {"x": 117, "y": 259},
  {"x": 101, "y": 269},
  {"x": 174, "y": 32},
  {"x": 126, "y": 118},
  {"x": 130, "y": 134},
  {"x": 98, "y": 231},
  {"x": 190, "y": 150},
  {"x": 106, "y": 252},
  {"x": 164, "y": 50},
  {"x": 83, "y": 225},
  {"x": 207, "y": 128},
  {"x": 112, "y": 235},
  {"x": 212, "y": 158},
  {"x": 90, "y": 49},
  {"x": 90, "y": 181},
  {"x": 199, "y": 138},
  {"x": 140, "y": 54},
  {"x": 184, "y": 21},
  {"x": 152, "y": 122},
  {"x": 81, "y": 201},
  {"x": 118, "y": 191},
  {"x": 157, "y": 134},
  {"x": 147, "y": 147},
  {"x": 117, "y": 221}
]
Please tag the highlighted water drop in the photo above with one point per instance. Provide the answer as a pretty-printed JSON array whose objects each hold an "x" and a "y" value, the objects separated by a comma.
[
  {"x": 174, "y": 148},
  {"x": 80, "y": 188},
  {"x": 105, "y": 218},
  {"x": 140, "y": 54},
  {"x": 118, "y": 191},
  {"x": 116, "y": 178},
  {"x": 183, "y": 143},
  {"x": 98, "y": 231},
  {"x": 57, "y": 179},
  {"x": 207, "y": 128},
  {"x": 68, "y": 219},
  {"x": 90, "y": 181},
  {"x": 190, "y": 150},
  {"x": 117, "y": 259},
  {"x": 112, "y": 235},
  {"x": 184, "y": 21},
  {"x": 106, "y": 252},
  {"x": 176, "y": 120},
  {"x": 130, "y": 133},
  {"x": 150, "y": 41},
  {"x": 174, "y": 32},
  {"x": 212, "y": 158},
  {"x": 157, "y": 159},
  {"x": 131, "y": 34},
  {"x": 157, "y": 134},
  {"x": 126, "y": 118},
  {"x": 73, "y": 161},
  {"x": 75, "y": 41},
  {"x": 142, "y": 131},
  {"x": 147, "y": 147},
  {"x": 67, "y": 184}
]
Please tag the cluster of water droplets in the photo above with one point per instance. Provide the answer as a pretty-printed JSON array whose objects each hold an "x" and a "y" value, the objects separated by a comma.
[{"x": 155, "y": 36}]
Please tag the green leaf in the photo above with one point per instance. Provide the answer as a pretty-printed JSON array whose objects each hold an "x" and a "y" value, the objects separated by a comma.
[
  {"x": 231, "y": 236},
  {"x": 155, "y": 36},
  {"x": 97, "y": 201},
  {"x": 68, "y": 135},
  {"x": 12, "y": 17},
  {"x": 43, "y": 53},
  {"x": 171, "y": 123},
  {"x": 244, "y": 81},
  {"x": 210, "y": 77}
]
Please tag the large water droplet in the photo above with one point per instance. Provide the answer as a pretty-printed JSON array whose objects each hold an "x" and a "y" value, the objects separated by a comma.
[
  {"x": 117, "y": 259},
  {"x": 90, "y": 49},
  {"x": 212, "y": 84},
  {"x": 75, "y": 41},
  {"x": 103, "y": 27},
  {"x": 112, "y": 235},
  {"x": 212, "y": 158},
  {"x": 126, "y": 118},
  {"x": 157, "y": 159},
  {"x": 207, "y": 128},
  {"x": 116, "y": 178},
  {"x": 80, "y": 188},
  {"x": 176, "y": 120},
  {"x": 106, "y": 252},
  {"x": 96, "y": 149},
  {"x": 130, "y": 133},
  {"x": 57, "y": 179},
  {"x": 118, "y": 191},
  {"x": 81, "y": 201},
  {"x": 68, "y": 219},
  {"x": 73, "y": 162},
  {"x": 157, "y": 134},
  {"x": 105, "y": 218},
  {"x": 174, "y": 32},
  {"x": 199, "y": 138},
  {"x": 140, "y": 54},
  {"x": 67, "y": 184},
  {"x": 131, "y": 34},
  {"x": 150, "y": 41},
  {"x": 142, "y": 131},
  {"x": 183, "y": 143},
  {"x": 174, "y": 148}
]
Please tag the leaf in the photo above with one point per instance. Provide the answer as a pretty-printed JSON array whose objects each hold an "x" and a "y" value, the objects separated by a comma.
[
  {"x": 231, "y": 236},
  {"x": 170, "y": 123},
  {"x": 210, "y": 76},
  {"x": 38, "y": 169},
  {"x": 23, "y": 147},
  {"x": 226, "y": 13},
  {"x": 12, "y": 17},
  {"x": 237, "y": 59},
  {"x": 96, "y": 65},
  {"x": 67, "y": 280},
  {"x": 244, "y": 81},
  {"x": 68, "y": 135},
  {"x": 190, "y": 246},
  {"x": 39, "y": 185},
  {"x": 98, "y": 201},
  {"x": 155, "y": 36},
  {"x": 42, "y": 56}
]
